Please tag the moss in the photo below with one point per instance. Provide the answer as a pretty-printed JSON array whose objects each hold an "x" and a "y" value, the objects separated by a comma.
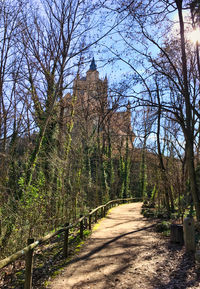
[
  {"x": 46, "y": 283},
  {"x": 148, "y": 213},
  {"x": 78, "y": 247},
  {"x": 86, "y": 233},
  {"x": 56, "y": 273},
  {"x": 163, "y": 226},
  {"x": 20, "y": 273},
  {"x": 40, "y": 265},
  {"x": 108, "y": 212},
  {"x": 166, "y": 233},
  {"x": 96, "y": 226}
]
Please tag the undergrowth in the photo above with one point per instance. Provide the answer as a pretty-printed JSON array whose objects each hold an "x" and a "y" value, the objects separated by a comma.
[{"x": 48, "y": 262}]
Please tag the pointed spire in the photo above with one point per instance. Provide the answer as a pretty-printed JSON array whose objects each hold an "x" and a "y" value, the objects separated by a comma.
[
  {"x": 128, "y": 105},
  {"x": 93, "y": 66}
]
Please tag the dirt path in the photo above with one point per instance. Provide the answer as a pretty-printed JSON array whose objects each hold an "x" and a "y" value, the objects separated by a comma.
[{"x": 124, "y": 252}]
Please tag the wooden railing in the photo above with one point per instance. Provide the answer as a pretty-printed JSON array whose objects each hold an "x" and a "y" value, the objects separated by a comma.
[{"x": 28, "y": 250}]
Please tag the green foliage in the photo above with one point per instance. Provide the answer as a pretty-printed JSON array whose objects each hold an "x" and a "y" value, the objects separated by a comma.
[
  {"x": 153, "y": 194},
  {"x": 70, "y": 125},
  {"x": 124, "y": 173},
  {"x": 86, "y": 233},
  {"x": 164, "y": 226},
  {"x": 148, "y": 212},
  {"x": 143, "y": 176}
]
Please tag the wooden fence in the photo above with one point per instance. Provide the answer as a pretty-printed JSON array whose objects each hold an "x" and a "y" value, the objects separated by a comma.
[{"x": 31, "y": 244}]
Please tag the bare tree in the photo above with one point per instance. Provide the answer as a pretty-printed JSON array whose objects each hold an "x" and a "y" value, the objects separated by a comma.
[{"x": 171, "y": 60}]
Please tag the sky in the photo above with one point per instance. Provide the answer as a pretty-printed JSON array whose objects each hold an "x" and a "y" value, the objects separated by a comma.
[
  {"x": 116, "y": 70},
  {"x": 107, "y": 62}
]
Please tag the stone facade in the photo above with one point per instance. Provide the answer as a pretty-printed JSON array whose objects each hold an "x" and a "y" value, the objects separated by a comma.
[{"x": 92, "y": 113}]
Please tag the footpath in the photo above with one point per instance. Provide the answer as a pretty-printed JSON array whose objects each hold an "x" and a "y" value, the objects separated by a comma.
[{"x": 125, "y": 252}]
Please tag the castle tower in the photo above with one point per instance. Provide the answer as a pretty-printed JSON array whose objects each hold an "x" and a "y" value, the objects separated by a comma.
[
  {"x": 92, "y": 73},
  {"x": 91, "y": 91},
  {"x": 92, "y": 113}
]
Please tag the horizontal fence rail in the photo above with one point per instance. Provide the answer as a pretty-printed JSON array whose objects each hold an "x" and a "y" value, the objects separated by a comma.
[{"x": 28, "y": 250}]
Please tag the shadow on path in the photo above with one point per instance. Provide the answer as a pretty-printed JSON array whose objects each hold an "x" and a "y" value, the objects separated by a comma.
[{"x": 99, "y": 248}]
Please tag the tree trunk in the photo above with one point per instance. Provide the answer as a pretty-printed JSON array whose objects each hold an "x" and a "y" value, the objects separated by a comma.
[
  {"x": 189, "y": 133},
  {"x": 163, "y": 170}
]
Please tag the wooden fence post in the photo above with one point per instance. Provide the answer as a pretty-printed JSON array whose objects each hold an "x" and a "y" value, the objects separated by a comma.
[
  {"x": 96, "y": 217},
  {"x": 29, "y": 267},
  {"x": 102, "y": 213},
  {"x": 189, "y": 234},
  {"x": 90, "y": 222},
  {"x": 65, "y": 245},
  {"x": 81, "y": 227},
  {"x": 86, "y": 223},
  {"x": 176, "y": 234}
]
